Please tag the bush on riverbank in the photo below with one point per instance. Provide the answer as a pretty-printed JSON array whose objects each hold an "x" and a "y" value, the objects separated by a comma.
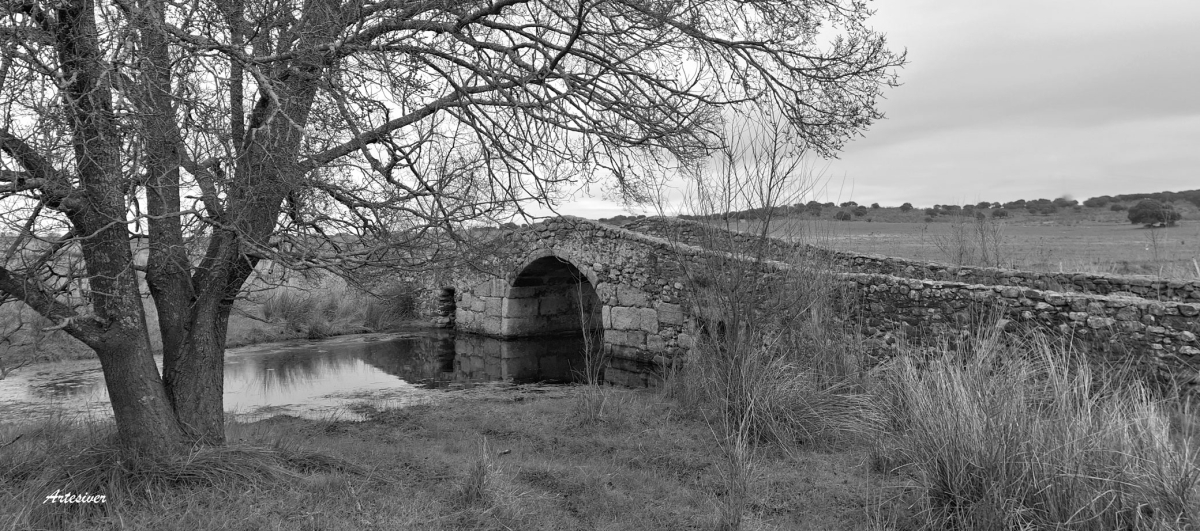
[
  {"x": 332, "y": 308},
  {"x": 312, "y": 309}
]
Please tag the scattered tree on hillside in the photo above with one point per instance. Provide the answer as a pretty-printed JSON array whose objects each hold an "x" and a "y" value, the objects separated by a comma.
[
  {"x": 230, "y": 133},
  {"x": 861, "y": 211},
  {"x": 906, "y": 207},
  {"x": 875, "y": 206},
  {"x": 999, "y": 213},
  {"x": 983, "y": 205},
  {"x": 1149, "y": 212}
]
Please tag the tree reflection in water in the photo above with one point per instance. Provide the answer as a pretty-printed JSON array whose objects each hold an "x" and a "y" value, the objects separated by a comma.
[{"x": 305, "y": 375}]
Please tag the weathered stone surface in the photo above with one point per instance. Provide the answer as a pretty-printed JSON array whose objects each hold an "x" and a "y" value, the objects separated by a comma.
[
  {"x": 626, "y": 338},
  {"x": 670, "y": 314},
  {"x": 520, "y": 307},
  {"x": 631, "y": 296},
  {"x": 626, "y": 318}
]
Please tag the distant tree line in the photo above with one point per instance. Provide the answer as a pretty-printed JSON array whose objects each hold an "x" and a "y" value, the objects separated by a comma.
[{"x": 850, "y": 209}]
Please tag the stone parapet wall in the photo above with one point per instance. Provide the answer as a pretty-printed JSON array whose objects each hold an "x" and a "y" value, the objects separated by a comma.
[
  {"x": 1159, "y": 334},
  {"x": 1147, "y": 287},
  {"x": 896, "y": 297}
]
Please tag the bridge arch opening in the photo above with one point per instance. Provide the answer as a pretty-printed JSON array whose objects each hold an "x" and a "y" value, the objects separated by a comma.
[{"x": 551, "y": 296}]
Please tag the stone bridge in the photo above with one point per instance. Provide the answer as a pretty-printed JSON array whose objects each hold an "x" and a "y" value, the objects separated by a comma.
[
  {"x": 568, "y": 275},
  {"x": 629, "y": 289}
]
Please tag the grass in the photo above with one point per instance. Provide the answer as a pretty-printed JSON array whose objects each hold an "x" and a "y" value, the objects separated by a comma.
[
  {"x": 1027, "y": 435},
  {"x": 1004, "y": 433},
  {"x": 517, "y": 461}
]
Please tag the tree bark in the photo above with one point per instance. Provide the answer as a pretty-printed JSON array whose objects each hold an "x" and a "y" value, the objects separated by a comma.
[{"x": 145, "y": 422}]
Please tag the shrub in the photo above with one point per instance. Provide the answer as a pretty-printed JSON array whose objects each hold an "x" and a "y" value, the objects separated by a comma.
[
  {"x": 1000, "y": 213},
  {"x": 1151, "y": 212},
  {"x": 842, "y": 216},
  {"x": 391, "y": 304},
  {"x": 1117, "y": 207}
]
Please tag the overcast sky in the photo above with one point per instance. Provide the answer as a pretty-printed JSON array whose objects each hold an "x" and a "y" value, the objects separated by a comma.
[{"x": 1025, "y": 99}]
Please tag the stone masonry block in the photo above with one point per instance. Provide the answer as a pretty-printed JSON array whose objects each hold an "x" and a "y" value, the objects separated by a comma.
[
  {"x": 626, "y": 338},
  {"x": 626, "y": 318},
  {"x": 670, "y": 314},
  {"x": 520, "y": 307},
  {"x": 631, "y": 296},
  {"x": 523, "y": 292},
  {"x": 492, "y": 306}
]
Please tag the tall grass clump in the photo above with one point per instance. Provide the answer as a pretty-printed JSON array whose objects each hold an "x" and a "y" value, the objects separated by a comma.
[
  {"x": 761, "y": 307},
  {"x": 1030, "y": 435}
]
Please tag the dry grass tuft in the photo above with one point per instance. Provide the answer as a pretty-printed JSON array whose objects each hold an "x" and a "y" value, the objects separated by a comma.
[{"x": 1032, "y": 436}]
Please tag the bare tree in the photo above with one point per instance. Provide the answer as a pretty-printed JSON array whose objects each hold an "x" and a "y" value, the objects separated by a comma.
[{"x": 229, "y": 132}]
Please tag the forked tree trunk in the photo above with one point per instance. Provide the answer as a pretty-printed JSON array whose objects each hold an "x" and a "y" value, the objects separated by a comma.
[{"x": 145, "y": 422}]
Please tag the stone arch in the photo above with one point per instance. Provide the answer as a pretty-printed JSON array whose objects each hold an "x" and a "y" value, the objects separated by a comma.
[
  {"x": 566, "y": 256},
  {"x": 551, "y": 295}
]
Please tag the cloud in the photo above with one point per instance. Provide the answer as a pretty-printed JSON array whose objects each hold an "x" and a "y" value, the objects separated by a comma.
[
  {"x": 1029, "y": 99},
  {"x": 1015, "y": 99}
]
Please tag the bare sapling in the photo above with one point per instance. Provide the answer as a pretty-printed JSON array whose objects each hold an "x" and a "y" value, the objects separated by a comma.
[
  {"x": 594, "y": 400},
  {"x": 749, "y": 373},
  {"x": 973, "y": 240}
]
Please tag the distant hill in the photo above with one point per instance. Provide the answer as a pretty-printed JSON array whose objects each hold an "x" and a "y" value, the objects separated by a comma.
[{"x": 1034, "y": 207}]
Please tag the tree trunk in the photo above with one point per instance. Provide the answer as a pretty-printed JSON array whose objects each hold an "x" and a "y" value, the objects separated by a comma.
[
  {"x": 145, "y": 423},
  {"x": 195, "y": 377},
  {"x": 196, "y": 384}
]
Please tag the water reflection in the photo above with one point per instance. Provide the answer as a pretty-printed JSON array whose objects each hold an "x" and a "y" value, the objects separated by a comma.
[{"x": 319, "y": 378}]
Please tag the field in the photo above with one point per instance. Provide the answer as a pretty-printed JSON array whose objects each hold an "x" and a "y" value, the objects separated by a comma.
[{"x": 1036, "y": 243}]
